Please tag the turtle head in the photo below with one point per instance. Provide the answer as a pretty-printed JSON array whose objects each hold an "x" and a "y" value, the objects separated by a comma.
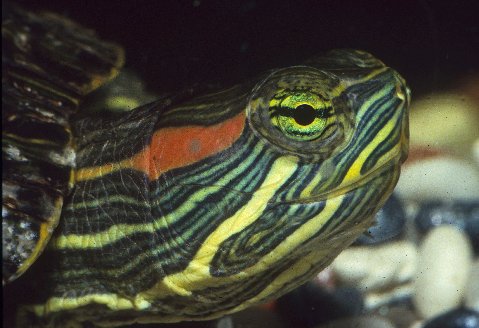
[
  {"x": 339, "y": 128},
  {"x": 343, "y": 119},
  {"x": 317, "y": 153}
]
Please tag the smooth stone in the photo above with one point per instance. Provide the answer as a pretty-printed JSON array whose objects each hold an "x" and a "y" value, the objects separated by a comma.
[
  {"x": 325, "y": 279},
  {"x": 370, "y": 321},
  {"x": 447, "y": 121},
  {"x": 403, "y": 316},
  {"x": 468, "y": 87},
  {"x": 253, "y": 317},
  {"x": 388, "y": 224},
  {"x": 445, "y": 258},
  {"x": 396, "y": 295},
  {"x": 472, "y": 229},
  {"x": 472, "y": 287},
  {"x": 462, "y": 214},
  {"x": 311, "y": 305},
  {"x": 431, "y": 179},
  {"x": 421, "y": 153},
  {"x": 475, "y": 151},
  {"x": 434, "y": 213},
  {"x": 457, "y": 318},
  {"x": 375, "y": 268}
]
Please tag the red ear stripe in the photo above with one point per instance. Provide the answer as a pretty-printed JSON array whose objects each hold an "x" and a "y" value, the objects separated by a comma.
[{"x": 175, "y": 147}]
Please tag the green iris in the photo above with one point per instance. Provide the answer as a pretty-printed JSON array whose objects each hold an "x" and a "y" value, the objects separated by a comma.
[{"x": 301, "y": 115}]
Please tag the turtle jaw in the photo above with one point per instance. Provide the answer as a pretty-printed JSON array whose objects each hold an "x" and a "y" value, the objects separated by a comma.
[{"x": 390, "y": 168}]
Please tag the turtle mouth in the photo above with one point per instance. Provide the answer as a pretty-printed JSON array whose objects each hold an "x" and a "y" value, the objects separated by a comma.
[{"x": 384, "y": 172}]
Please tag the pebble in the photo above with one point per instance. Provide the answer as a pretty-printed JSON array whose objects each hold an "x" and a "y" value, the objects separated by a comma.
[
  {"x": 457, "y": 318},
  {"x": 475, "y": 151},
  {"x": 360, "y": 322},
  {"x": 447, "y": 121},
  {"x": 375, "y": 268},
  {"x": 435, "y": 213},
  {"x": 397, "y": 294},
  {"x": 388, "y": 224},
  {"x": 325, "y": 279},
  {"x": 472, "y": 287},
  {"x": 443, "y": 178},
  {"x": 254, "y": 317},
  {"x": 472, "y": 229},
  {"x": 311, "y": 305},
  {"x": 462, "y": 214},
  {"x": 445, "y": 258},
  {"x": 403, "y": 315}
]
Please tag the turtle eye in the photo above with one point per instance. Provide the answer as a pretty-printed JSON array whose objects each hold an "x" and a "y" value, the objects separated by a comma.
[
  {"x": 301, "y": 111},
  {"x": 301, "y": 116}
]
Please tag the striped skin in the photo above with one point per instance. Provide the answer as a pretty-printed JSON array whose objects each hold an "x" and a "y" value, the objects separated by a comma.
[{"x": 191, "y": 210}]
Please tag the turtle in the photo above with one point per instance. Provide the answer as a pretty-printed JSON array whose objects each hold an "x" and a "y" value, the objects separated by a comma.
[{"x": 192, "y": 206}]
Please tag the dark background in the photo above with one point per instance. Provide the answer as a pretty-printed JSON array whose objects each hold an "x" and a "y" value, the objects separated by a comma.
[{"x": 173, "y": 44}]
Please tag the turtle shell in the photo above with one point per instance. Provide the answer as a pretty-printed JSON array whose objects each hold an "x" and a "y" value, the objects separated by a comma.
[{"x": 49, "y": 64}]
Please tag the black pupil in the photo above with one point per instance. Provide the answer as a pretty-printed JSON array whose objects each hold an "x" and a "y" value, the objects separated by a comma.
[{"x": 304, "y": 114}]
